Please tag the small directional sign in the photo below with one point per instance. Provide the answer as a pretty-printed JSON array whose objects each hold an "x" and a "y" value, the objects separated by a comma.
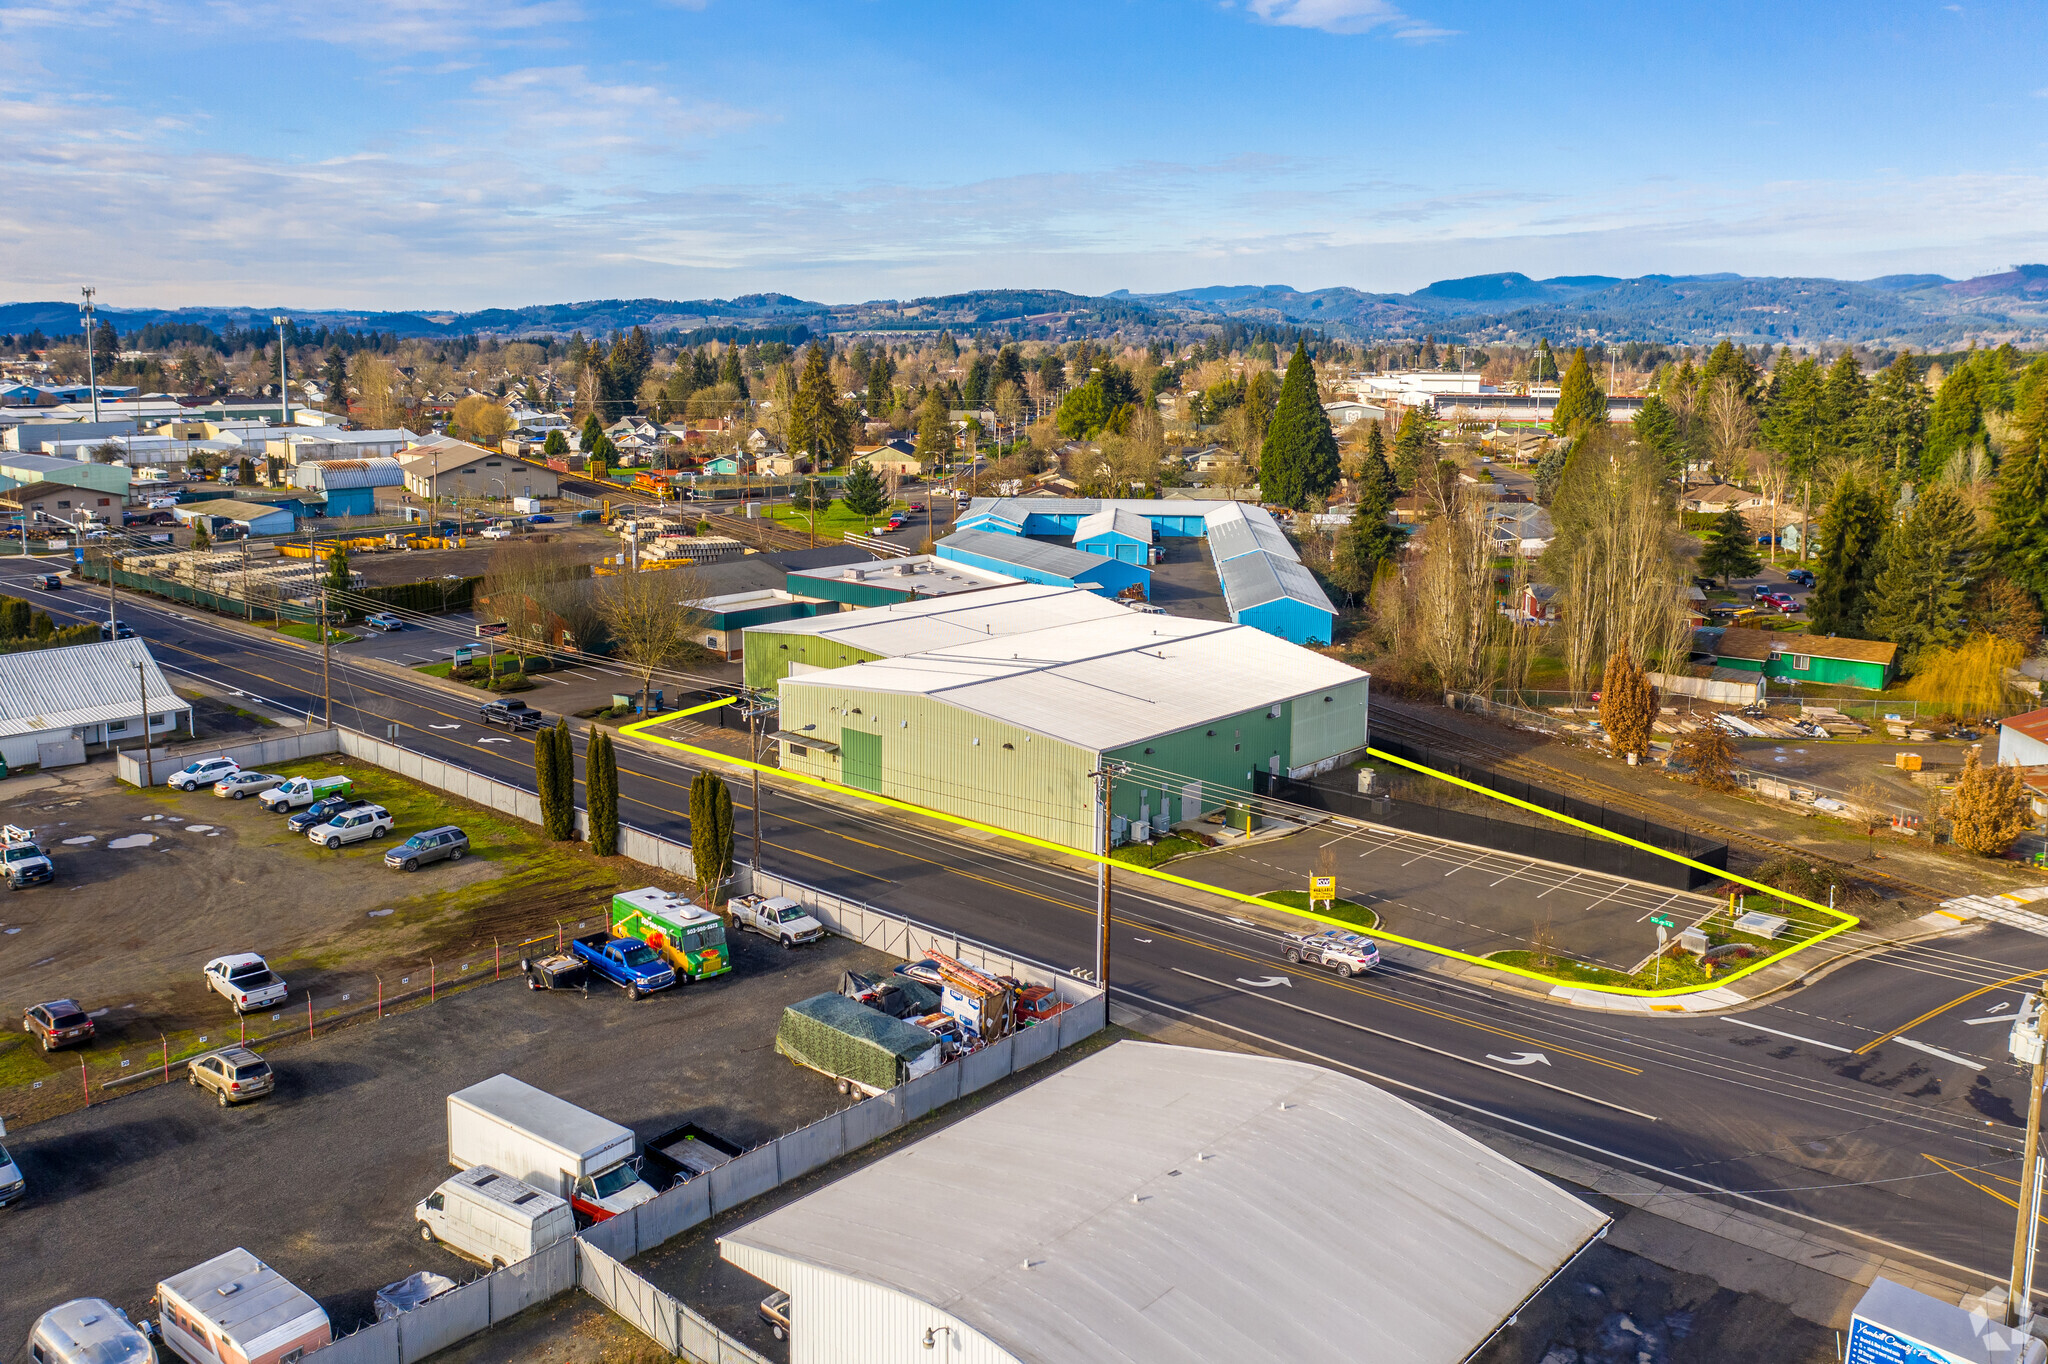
[{"x": 1663, "y": 921}]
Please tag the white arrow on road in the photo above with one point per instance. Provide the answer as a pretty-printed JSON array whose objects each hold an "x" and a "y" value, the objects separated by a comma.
[
  {"x": 1266, "y": 982},
  {"x": 1143, "y": 940},
  {"x": 444, "y": 726},
  {"x": 494, "y": 741},
  {"x": 1521, "y": 1058}
]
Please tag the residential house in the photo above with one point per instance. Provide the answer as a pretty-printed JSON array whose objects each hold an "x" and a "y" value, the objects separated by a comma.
[
  {"x": 1721, "y": 497},
  {"x": 1794, "y": 657},
  {"x": 896, "y": 456},
  {"x": 1519, "y": 529},
  {"x": 760, "y": 442},
  {"x": 1538, "y": 605}
]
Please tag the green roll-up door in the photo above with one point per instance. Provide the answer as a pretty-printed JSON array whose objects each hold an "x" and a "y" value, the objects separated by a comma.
[{"x": 860, "y": 755}]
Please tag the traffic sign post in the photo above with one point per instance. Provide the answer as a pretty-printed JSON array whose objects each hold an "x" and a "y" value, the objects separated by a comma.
[
  {"x": 1665, "y": 923},
  {"x": 1323, "y": 888}
]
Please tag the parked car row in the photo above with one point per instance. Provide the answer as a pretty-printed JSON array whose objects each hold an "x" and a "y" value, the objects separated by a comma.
[{"x": 332, "y": 815}]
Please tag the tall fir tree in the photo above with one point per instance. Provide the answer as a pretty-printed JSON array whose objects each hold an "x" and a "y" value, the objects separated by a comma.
[
  {"x": 1730, "y": 551},
  {"x": 1843, "y": 392},
  {"x": 1850, "y": 530},
  {"x": 863, "y": 492},
  {"x": 934, "y": 434},
  {"x": 1894, "y": 420},
  {"x": 1371, "y": 539},
  {"x": 1580, "y": 403},
  {"x": 1298, "y": 463},
  {"x": 1927, "y": 564},
  {"x": 1415, "y": 448},
  {"x": 1956, "y": 422},
  {"x": 1656, "y": 426},
  {"x": 2019, "y": 504},
  {"x": 730, "y": 371}
]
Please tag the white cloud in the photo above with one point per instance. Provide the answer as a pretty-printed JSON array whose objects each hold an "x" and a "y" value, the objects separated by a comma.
[
  {"x": 1347, "y": 16},
  {"x": 389, "y": 27}
]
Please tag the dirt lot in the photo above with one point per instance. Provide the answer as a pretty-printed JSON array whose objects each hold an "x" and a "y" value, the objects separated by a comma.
[
  {"x": 153, "y": 884},
  {"x": 588, "y": 543}
]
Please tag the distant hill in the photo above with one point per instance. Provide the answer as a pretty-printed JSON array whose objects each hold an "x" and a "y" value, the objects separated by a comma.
[{"x": 1911, "y": 310}]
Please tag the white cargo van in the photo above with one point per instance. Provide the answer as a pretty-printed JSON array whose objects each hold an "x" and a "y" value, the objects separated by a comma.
[{"x": 493, "y": 1217}]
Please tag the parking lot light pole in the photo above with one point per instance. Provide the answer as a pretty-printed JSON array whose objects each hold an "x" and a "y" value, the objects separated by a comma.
[{"x": 1107, "y": 776}]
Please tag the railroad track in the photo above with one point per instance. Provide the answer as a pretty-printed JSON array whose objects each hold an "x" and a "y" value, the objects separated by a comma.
[{"x": 1403, "y": 725}]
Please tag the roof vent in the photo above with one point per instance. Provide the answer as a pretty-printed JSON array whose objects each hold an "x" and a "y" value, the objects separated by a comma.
[
  {"x": 906, "y": 570},
  {"x": 227, "y": 1289}
]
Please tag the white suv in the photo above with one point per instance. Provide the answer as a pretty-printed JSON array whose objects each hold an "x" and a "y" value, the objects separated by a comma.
[
  {"x": 352, "y": 826},
  {"x": 1348, "y": 954},
  {"x": 205, "y": 772}
]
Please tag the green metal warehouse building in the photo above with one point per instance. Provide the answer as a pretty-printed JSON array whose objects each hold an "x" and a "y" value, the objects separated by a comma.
[{"x": 999, "y": 705}]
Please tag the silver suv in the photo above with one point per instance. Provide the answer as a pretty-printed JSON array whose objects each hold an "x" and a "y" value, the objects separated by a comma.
[
  {"x": 352, "y": 826},
  {"x": 233, "y": 1074},
  {"x": 445, "y": 844}
]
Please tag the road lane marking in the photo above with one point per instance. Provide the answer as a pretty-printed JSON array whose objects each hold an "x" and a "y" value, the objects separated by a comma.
[
  {"x": 1521, "y": 1058},
  {"x": 1793, "y": 1036},
  {"x": 1421, "y": 1046},
  {"x": 1940, "y": 1009},
  {"x": 1937, "y": 1051}
]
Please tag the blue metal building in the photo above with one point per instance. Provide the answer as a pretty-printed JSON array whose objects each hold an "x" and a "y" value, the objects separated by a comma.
[{"x": 1038, "y": 562}]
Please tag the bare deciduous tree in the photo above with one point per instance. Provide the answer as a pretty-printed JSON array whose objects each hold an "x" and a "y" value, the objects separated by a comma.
[
  {"x": 1454, "y": 615},
  {"x": 651, "y": 615},
  {"x": 1731, "y": 426}
]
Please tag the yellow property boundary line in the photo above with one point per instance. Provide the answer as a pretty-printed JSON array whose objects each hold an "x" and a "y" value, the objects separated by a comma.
[{"x": 1847, "y": 921}]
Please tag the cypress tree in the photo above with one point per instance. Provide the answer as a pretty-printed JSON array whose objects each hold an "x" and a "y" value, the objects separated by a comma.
[
  {"x": 1415, "y": 447},
  {"x": 1926, "y": 565},
  {"x": 1848, "y": 536},
  {"x": 601, "y": 782},
  {"x": 544, "y": 783},
  {"x": 1731, "y": 549},
  {"x": 710, "y": 834},
  {"x": 1298, "y": 462},
  {"x": 1580, "y": 403}
]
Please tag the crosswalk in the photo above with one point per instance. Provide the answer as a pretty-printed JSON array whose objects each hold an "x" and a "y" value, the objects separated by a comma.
[{"x": 2008, "y": 909}]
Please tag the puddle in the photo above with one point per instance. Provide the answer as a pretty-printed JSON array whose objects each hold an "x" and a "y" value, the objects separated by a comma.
[
  {"x": 375, "y": 914},
  {"x": 12, "y": 931},
  {"x": 99, "y": 1013},
  {"x": 197, "y": 828},
  {"x": 81, "y": 840},
  {"x": 133, "y": 841}
]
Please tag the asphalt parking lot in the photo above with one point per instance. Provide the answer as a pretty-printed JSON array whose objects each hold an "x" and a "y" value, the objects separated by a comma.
[{"x": 320, "y": 1179}]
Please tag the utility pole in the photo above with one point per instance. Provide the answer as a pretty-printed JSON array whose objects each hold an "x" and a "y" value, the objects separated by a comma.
[
  {"x": 92, "y": 378},
  {"x": 2025, "y": 1044},
  {"x": 326, "y": 662},
  {"x": 1102, "y": 888},
  {"x": 284, "y": 378},
  {"x": 757, "y": 710},
  {"x": 148, "y": 759}
]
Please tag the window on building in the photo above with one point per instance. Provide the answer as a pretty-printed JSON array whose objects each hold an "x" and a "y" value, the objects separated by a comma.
[
  {"x": 117, "y": 726},
  {"x": 1801, "y": 663}
]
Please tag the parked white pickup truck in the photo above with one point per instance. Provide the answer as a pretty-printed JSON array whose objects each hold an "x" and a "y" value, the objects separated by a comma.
[
  {"x": 301, "y": 791},
  {"x": 777, "y": 917},
  {"x": 246, "y": 981}
]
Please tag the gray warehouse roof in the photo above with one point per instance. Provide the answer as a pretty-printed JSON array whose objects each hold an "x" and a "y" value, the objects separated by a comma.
[
  {"x": 1232, "y": 533},
  {"x": 1259, "y": 577},
  {"x": 1179, "y": 1206},
  {"x": 1059, "y": 560},
  {"x": 80, "y": 684},
  {"x": 350, "y": 473},
  {"x": 934, "y": 623}
]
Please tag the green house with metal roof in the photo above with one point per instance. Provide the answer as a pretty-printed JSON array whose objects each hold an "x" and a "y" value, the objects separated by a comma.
[{"x": 1785, "y": 656}]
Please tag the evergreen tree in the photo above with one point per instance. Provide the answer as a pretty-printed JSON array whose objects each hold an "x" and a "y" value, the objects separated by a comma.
[
  {"x": 975, "y": 387},
  {"x": 1415, "y": 447},
  {"x": 934, "y": 434},
  {"x": 555, "y": 446},
  {"x": 1731, "y": 549},
  {"x": 1926, "y": 565},
  {"x": 592, "y": 433},
  {"x": 1790, "y": 422},
  {"x": 1894, "y": 420},
  {"x": 337, "y": 570},
  {"x": 1550, "y": 463},
  {"x": 1730, "y": 361},
  {"x": 1580, "y": 403},
  {"x": 544, "y": 783},
  {"x": 334, "y": 374},
  {"x": 1371, "y": 539},
  {"x": 731, "y": 372},
  {"x": 863, "y": 492},
  {"x": 881, "y": 395},
  {"x": 1542, "y": 364},
  {"x": 1656, "y": 426},
  {"x": 1298, "y": 463},
  {"x": 1628, "y": 704},
  {"x": 1956, "y": 423},
  {"x": 601, "y": 787},
  {"x": 2019, "y": 504},
  {"x": 819, "y": 424},
  {"x": 710, "y": 834},
  {"x": 1848, "y": 535},
  {"x": 1842, "y": 395}
]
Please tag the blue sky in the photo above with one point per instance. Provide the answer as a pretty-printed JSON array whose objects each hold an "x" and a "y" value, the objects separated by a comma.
[{"x": 475, "y": 153}]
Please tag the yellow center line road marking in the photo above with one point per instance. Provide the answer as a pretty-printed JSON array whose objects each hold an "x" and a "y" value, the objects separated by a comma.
[
  {"x": 1940, "y": 1009},
  {"x": 1409, "y": 1041},
  {"x": 638, "y": 730},
  {"x": 1957, "y": 1171}
]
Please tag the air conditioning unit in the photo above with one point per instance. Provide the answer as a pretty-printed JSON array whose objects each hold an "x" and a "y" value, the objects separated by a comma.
[{"x": 1141, "y": 832}]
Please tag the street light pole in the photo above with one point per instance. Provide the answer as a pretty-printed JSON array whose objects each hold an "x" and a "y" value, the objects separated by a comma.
[
  {"x": 1107, "y": 776},
  {"x": 2026, "y": 1046},
  {"x": 92, "y": 380},
  {"x": 284, "y": 375}
]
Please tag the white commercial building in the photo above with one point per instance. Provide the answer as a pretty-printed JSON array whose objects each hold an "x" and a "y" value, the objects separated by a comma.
[
  {"x": 55, "y": 703},
  {"x": 1170, "y": 1205}
]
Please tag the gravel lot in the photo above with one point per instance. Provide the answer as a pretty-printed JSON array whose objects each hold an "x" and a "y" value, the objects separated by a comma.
[
  {"x": 320, "y": 1179},
  {"x": 153, "y": 884}
]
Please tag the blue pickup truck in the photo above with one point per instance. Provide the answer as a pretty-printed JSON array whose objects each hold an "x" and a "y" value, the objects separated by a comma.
[{"x": 628, "y": 963}]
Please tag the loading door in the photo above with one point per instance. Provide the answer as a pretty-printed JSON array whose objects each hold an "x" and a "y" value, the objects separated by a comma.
[{"x": 860, "y": 759}]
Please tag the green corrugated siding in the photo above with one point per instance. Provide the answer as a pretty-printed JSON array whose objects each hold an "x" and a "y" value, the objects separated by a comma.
[
  {"x": 928, "y": 756},
  {"x": 1241, "y": 744},
  {"x": 770, "y": 653},
  {"x": 843, "y": 590},
  {"x": 1842, "y": 671}
]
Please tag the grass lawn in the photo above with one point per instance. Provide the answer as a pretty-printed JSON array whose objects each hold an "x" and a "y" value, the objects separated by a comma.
[
  {"x": 311, "y": 633},
  {"x": 1678, "y": 970},
  {"x": 1152, "y": 854},
  {"x": 834, "y": 520},
  {"x": 1350, "y": 911},
  {"x": 509, "y": 678}
]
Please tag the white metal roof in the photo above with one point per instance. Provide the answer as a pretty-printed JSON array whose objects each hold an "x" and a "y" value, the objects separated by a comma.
[
  {"x": 80, "y": 684},
  {"x": 1061, "y": 560},
  {"x": 1175, "y": 1205},
  {"x": 246, "y": 1300},
  {"x": 552, "y": 1119},
  {"x": 1232, "y": 535},
  {"x": 1102, "y": 683},
  {"x": 1261, "y": 576},
  {"x": 924, "y": 574},
  {"x": 382, "y": 472},
  {"x": 912, "y": 626},
  {"x": 1113, "y": 520}
]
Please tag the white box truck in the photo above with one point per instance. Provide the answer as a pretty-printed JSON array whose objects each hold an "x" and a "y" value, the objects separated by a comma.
[
  {"x": 493, "y": 1217},
  {"x": 549, "y": 1143}
]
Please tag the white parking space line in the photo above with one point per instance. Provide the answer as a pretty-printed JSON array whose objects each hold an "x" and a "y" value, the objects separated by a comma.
[
  {"x": 1937, "y": 1051},
  {"x": 1608, "y": 896},
  {"x": 1561, "y": 884}
]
